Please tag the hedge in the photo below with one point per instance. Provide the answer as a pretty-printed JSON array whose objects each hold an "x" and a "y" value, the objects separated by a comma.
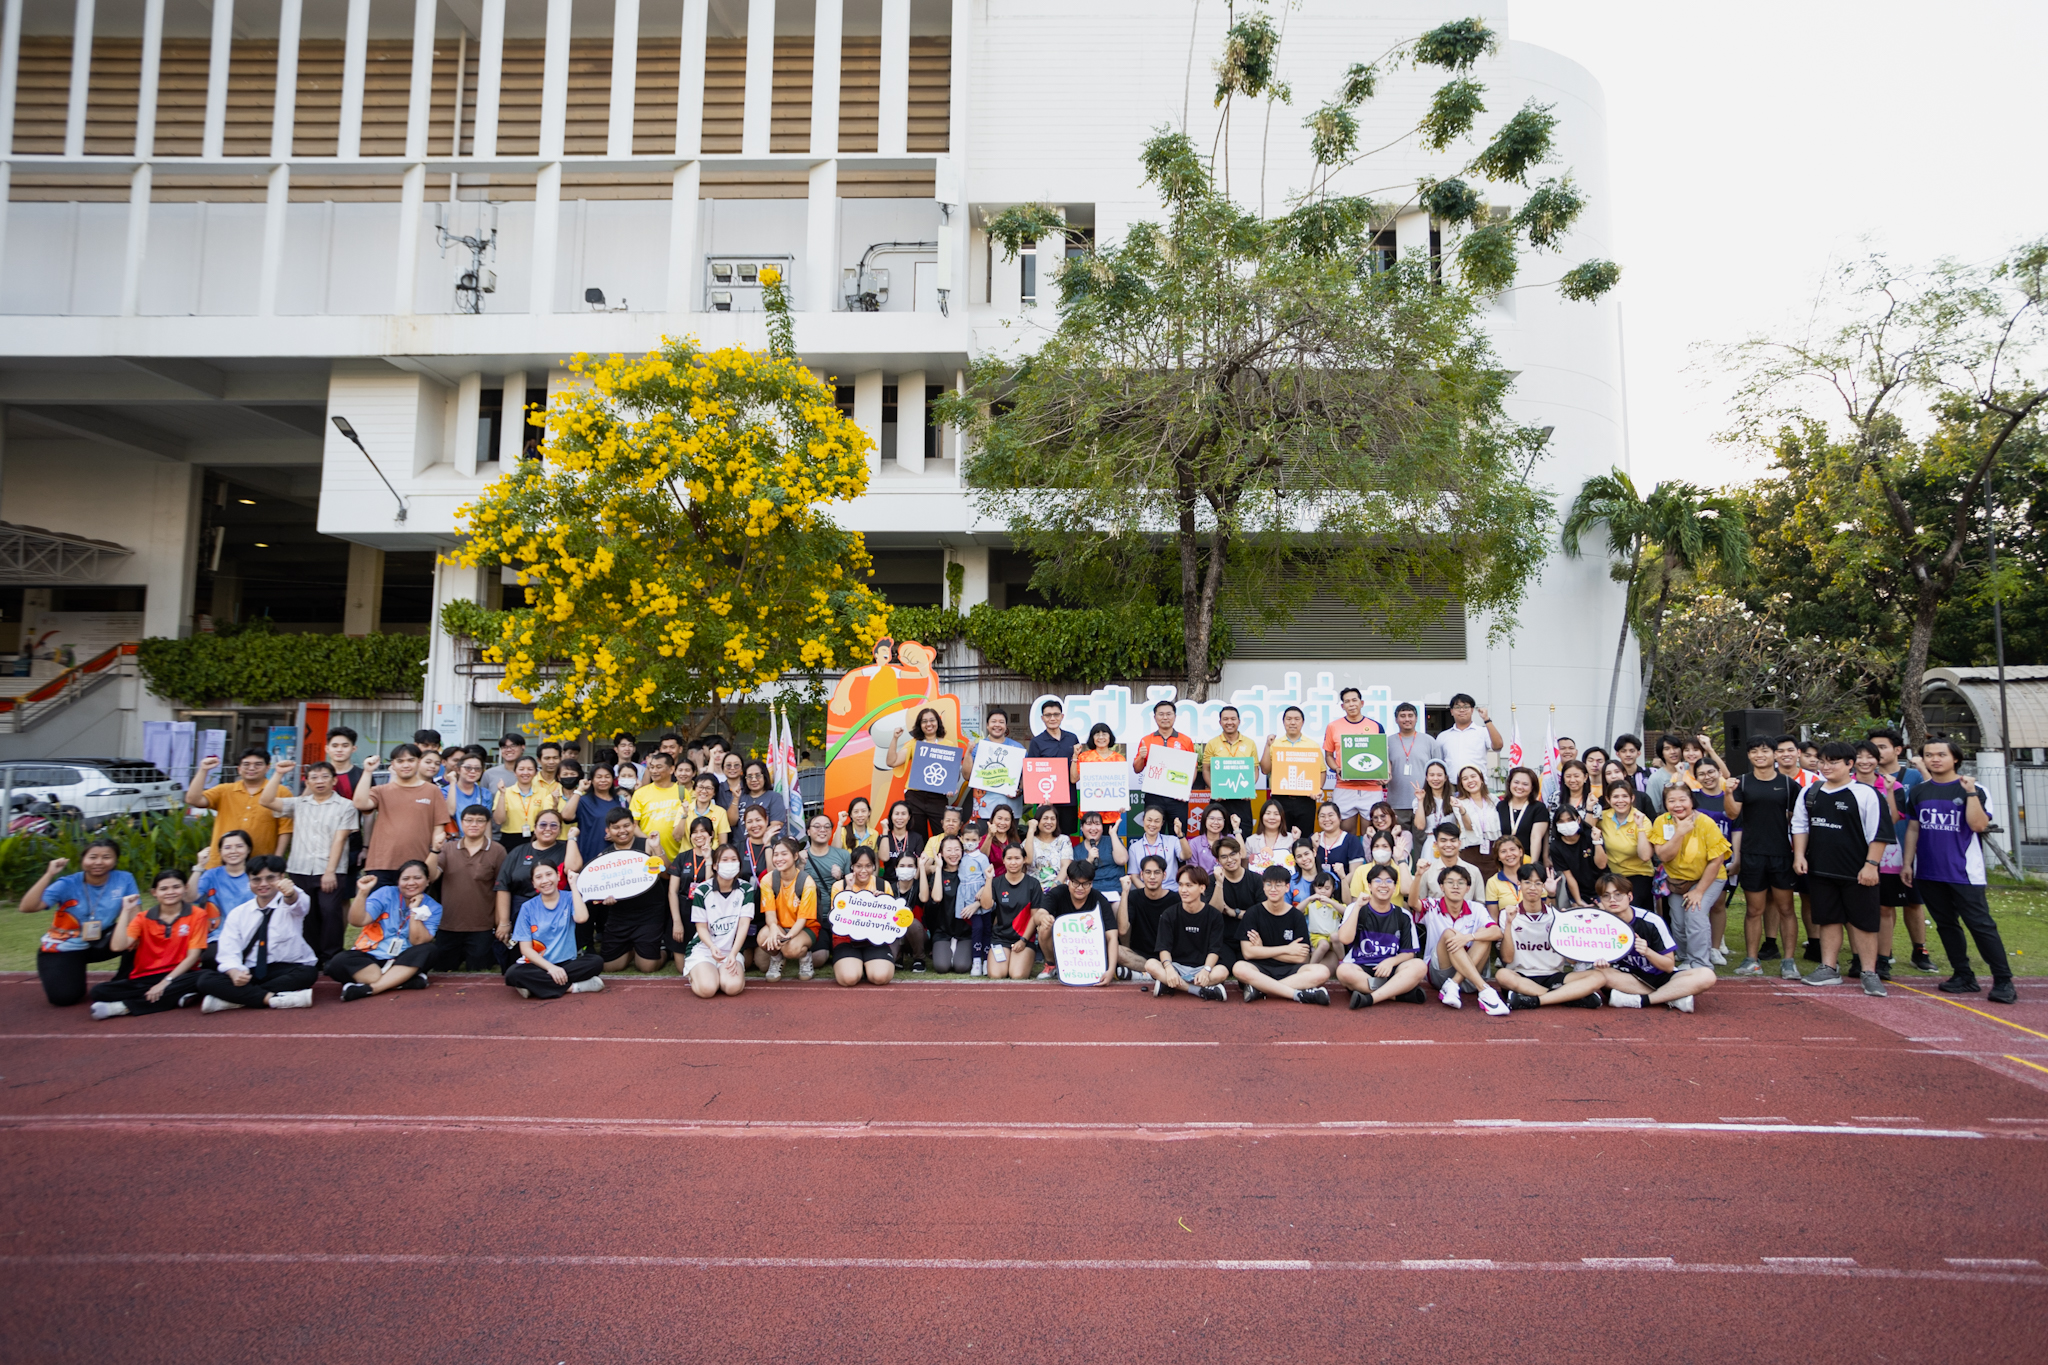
[
  {"x": 259, "y": 668},
  {"x": 1084, "y": 645}
]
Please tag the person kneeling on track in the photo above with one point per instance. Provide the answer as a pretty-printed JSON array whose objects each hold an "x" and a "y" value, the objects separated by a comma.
[
  {"x": 398, "y": 924},
  {"x": 1273, "y": 949},
  {"x": 636, "y": 925},
  {"x": 1381, "y": 963},
  {"x": 167, "y": 943},
  {"x": 1189, "y": 939},
  {"x": 549, "y": 965},
  {"x": 1458, "y": 939},
  {"x": 1531, "y": 971},
  {"x": 1650, "y": 967},
  {"x": 722, "y": 908},
  {"x": 856, "y": 960},
  {"x": 789, "y": 913},
  {"x": 264, "y": 959}
]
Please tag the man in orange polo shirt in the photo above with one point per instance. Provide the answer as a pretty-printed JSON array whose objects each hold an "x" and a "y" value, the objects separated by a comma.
[
  {"x": 1354, "y": 797},
  {"x": 1175, "y": 811}
]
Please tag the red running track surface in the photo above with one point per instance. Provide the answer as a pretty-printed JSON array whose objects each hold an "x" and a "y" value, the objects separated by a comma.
[{"x": 1023, "y": 1173}]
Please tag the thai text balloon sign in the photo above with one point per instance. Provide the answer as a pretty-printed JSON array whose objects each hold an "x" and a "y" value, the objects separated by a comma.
[
  {"x": 934, "y": 768},
  {"x": 1045, "y": 781},
  {"x": 1105, "y": 786},
  {"x": 869, "y": 916},
  {"x": 1590, "y": 936},
  {"x": 1077, "y": 948},
  {"x": 618, "y": 874},
  {"x": 998, "y": 767}
]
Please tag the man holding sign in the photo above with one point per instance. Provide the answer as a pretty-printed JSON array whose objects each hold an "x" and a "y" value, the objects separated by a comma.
[
  {"x": 998, "y": 769},
  {"x": 1056, "y": 744},
  {"x": 633, "y": 923},
  {"x": 1356, "y": 748},
  {"x": 1228, "y": 763},
  {"x": 1075, "y": 956},
  {"x": 1163, "y": 773},
  {"x": 1531, "y": 971}
]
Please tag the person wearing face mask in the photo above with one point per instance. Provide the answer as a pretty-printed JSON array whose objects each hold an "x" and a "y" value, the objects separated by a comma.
[
  {"x": 1569, "y": 858},
  {"x": 904, "y": 876},
  {"x": 721, "y": 911},
  {"x": 1381, "y": 851}
]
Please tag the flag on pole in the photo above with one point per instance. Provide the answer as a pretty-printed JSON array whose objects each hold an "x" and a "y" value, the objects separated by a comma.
[
  {"x": 792, "y": 795},
  {"x": 1515, "y": 750},
  {"x": 1550, "y": 747}
]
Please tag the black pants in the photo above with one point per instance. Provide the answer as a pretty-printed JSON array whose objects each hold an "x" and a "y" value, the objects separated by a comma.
[
  {"x": 1070, "y": 816},
  {"x": 329, "y": 915},
  {"x": 63, "y": 974},
  {"x": 1299, "y": 812},
  {"x": 1241, "y": 810},
  {"x": 1170, "y": 808},
  {"x": 343, "y": 966},
  {"x": 282, "y": 977},
  {"x": 133, "y": 991},
  {"x": 1956, "y": 907},
  {"x": 476, "y": 950},
  {"x": 927, "y": 809},
  {"x": 537, "y": 983}
]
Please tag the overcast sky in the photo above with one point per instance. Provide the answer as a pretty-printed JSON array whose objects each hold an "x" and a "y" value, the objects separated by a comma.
[{"x": 1754, "y": 142}]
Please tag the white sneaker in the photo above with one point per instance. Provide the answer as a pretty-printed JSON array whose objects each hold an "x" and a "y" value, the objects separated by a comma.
[
  {"x": 979, "y": 968},
  {"x": 774, "y": 972},
  {"x": 1451, "y": 996},
  {"x": 291, "y": 1000},
  {"x": 1719, "y": 957},
  {"x": 594, "y": 984},
  {"x": 103, "y": 1009},
  {"x": 805, "y": 968},
  {"x": 1682, "y": 1005},
  {"x": 213, "y": 1004},
  {"x": 1490, "y": 1001},
  {"x": 1624, "y": 1000}
]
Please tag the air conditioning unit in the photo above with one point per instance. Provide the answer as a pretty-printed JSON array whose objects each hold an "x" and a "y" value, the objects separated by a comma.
[{"x": 732, "y": 284}]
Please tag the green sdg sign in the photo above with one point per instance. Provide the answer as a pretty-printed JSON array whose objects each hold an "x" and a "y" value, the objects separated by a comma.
[{"x": 1362, "y": 758}]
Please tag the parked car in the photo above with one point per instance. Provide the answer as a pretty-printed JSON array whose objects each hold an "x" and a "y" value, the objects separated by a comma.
[{"x": 93, "y": 790}]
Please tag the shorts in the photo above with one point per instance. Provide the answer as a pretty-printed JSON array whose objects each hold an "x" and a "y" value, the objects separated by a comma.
[
  {"x": 858, "y": 950},
  {"x": 1549, "y": 981},
  {"x": 644, "y": 935},
  {"x": 1891, "y": 891},
  {"x": 1351, "y": 801},
  {"x": 1438, "y": 977},
  {"x": 344, "y": 965},
  {"x": 1187, "y": 973},
  {"x": 699, "y": 956},
  {"x": 1316, "y": 941},
  {"x": 1766, "y": 871},
  {"x": 1837, "y": 900},
  {"x": 1651, "y": 980}
]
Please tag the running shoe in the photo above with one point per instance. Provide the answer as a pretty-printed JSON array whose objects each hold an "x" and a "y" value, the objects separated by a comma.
[
  {"x": 1921, "y": 961},
  {"x": 289, "y": 1000},
  {"x": 1884, "y": 969},
  {"x": 418, "y": 981},
  {"x": 1314, "y": 995},
  {"x": 1490, "y": 1001},
  {"x": 979, "y": 968},
  {"x": 1823, "y": 975},
  {"x": 1789, "y": 969},
  {"x": 1750, "y": 967},
  {"x": 213, "y": 1004},
  {"x": 360, "y": 990},
  {"x": 1157, "y": 988},
  {"x": 1249, "y": 994},
  {"x": 1519, "y": 1001},
  {"x": 1360, "y": 1000},
  {"x": 805, "y": 968},
  {"x": 1718, "y": 957},
  {"x": 108, "y": 1009},
  {"x": 1873, "y": 984},
  {"x": 1812, "y": 953},
  {"x": 1682, "y": 1005},
  {"x": 1962, "y": 983},
  {"x": 1451, "y": 996},
  {"x": 1627, "y": 1000},
  {"x": 1213, "y": 993},
  {"x": 917, "y": 964},
  {"x": 774, "y": 972},
  {"x": 2002, "y": 992},
  {"x": 1769, "y": 949}
]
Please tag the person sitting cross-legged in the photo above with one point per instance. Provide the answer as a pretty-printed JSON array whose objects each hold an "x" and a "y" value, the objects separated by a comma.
[
  {"x": 1273, "y": 949},
  {"x": 1531, "y": 971},
  {"x": 549, "y": 965},
  {"x": 1458, "y": 939},
  {"x": 264, "y": 961},
  {"x": 397, "y": 938},
  {"x": 1649, "y": 969},
  {"x": 167, "y": 942},
  {"x": 1382, "y": 960},
  {"x": 1189, "y": 940}
]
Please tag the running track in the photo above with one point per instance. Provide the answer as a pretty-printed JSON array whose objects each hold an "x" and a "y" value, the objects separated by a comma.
[{"x": 972, "y": 1171}]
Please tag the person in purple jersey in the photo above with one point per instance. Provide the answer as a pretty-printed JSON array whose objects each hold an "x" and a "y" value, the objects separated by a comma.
[{"x": 1945, "y": 819}]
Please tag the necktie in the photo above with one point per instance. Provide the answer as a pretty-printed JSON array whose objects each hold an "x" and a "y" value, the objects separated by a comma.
[{"x": 261, "y": 967}]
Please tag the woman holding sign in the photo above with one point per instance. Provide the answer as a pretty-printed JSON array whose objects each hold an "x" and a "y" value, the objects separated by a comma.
[
  {"x": 857, "y": 960},
  {"x": 926, "y": 807}
]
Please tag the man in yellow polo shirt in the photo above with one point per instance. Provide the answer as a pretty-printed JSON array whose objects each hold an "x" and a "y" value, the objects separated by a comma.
[
  {"x": 1232, "y": 743},
  {"x": 1694, "y": 852},
  {"x": 655, "y": 801},
  {"x": 238, "y": 805}
]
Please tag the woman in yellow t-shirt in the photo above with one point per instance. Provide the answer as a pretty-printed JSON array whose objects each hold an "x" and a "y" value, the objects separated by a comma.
[
  {"x": 1381, "y": 847},
  {"x": 520, "y": 801},
  {"x": 1621, "y": 843}
]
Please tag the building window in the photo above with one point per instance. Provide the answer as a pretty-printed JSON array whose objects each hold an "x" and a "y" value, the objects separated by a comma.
[{"x": 1027, "y": 291}]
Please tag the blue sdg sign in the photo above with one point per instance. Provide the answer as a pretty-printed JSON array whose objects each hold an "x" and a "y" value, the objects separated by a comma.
[{"x": 935, "y": 768}]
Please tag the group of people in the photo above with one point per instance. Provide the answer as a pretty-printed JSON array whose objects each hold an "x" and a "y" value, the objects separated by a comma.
[{"x": 1426, "y": 882}]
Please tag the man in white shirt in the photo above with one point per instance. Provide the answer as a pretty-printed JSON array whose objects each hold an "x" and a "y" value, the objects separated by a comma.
[
  {"x": 265, "y": 962},
  {"x": 1464, "y": 744}
]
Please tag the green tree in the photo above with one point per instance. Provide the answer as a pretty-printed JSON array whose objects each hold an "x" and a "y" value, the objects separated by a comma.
[
  {"x": 1657, "y": 542},
  {"x": 1961, "y": 342},
  {"x": 1230, "y": 398}
]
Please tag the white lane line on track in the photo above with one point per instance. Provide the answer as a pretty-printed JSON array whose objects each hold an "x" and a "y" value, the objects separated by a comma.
[
  {"x": 600, "y": 1038},
  {"x": 794, "y": 1129},
  {"x": 1993, "y": 1263},
  {"x": 1808, "y": 1260},
  {"x": 1620, "y": 1265},
  {"x": 1886, "y": 1118},
  {"x": 1756, "y": 1118}
]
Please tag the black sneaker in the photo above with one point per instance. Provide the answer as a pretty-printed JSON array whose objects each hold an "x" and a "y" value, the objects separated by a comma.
[
  {"x": 1157, "y": 988},
  {"x": 1921, "y": 961},
  {"x": 1360, "y": 1000},
  {"x": 355, "y": 990},
  {"x": 1855, "y": 968},
  {"x": 1812, "y": 953},
  {"x": 2002, "y": 992},
  {"x": 1519, "y": 1001},
  {"x": 1884, "y": 969},
  {"x": 917, "y": 964},
  {"x": 416, "y": 982},
  {"x": 1961, "y": 983},
  {"x": 1314, "y": 995},
  {"x": 1769, "y": 951},
  {"x": 1123, "y": 973},
  {"x": 1213, "y": 993},
  {"x": 1249, "y": 994},
  {"x": 1588, "y": 1002}
]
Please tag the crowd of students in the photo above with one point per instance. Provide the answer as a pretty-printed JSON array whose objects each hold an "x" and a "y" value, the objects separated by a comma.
[{"x": 1430, "y": 882}]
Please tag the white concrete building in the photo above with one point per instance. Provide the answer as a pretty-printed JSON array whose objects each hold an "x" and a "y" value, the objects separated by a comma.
[{"x": 228, "y": 221}]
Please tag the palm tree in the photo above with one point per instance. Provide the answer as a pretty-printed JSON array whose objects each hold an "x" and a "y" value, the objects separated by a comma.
[
  {"x": 1611, "y": 500},
  {"x": 1678, "y": 529}
]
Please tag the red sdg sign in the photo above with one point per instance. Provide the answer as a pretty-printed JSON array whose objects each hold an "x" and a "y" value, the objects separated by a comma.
[{"x": 1045, "y": 782}]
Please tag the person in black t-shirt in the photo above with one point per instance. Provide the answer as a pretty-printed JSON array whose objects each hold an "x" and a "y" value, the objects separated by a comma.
[
  {"x": 1273, "y": 949},
  {"x": 1012, "y": 893},
  {"x": 1383, "y": 958},
  {"x": 633, "y": 926},
  {"x": 1648, "y": 973},
  {"x": 1762, "y": 802},
  {"x": 1839, "y": 832},
  {"x": 1138, "y": 910},
  {"x": 1568, "y": 854},
  {"x": 696, "y": 864},
  {"x": 1076, "y": 896},
  {"x": 1190, "y": 941},
  {"x": 1235, "y": 892}
]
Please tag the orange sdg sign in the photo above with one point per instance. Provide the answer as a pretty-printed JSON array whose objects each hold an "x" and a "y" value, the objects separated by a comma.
[
  {"x": 870, "y": 709},
  {"x": 1297, "y": 769}
]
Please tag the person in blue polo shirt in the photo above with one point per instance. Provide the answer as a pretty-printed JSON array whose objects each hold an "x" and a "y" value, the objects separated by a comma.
[
  {"x": 85, "y": 906},
  {"x": 549, "y": 966},
  {"x": 397, "y": 938},
  {"x": 1946, "y": 817}
]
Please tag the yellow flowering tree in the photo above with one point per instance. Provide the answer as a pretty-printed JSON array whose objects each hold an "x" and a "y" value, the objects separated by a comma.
[{"x": 672, "y": 541}]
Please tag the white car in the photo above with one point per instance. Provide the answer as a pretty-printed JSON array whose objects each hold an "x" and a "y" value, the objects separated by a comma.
[{"x": 96, "y": 788}]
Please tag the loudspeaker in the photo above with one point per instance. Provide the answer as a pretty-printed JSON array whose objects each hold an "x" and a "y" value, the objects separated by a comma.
[{"x": 1742, "y": 726}]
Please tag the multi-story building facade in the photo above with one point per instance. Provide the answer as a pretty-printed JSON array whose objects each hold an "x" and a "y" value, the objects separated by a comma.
[{"x": 226, "y": 224}]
